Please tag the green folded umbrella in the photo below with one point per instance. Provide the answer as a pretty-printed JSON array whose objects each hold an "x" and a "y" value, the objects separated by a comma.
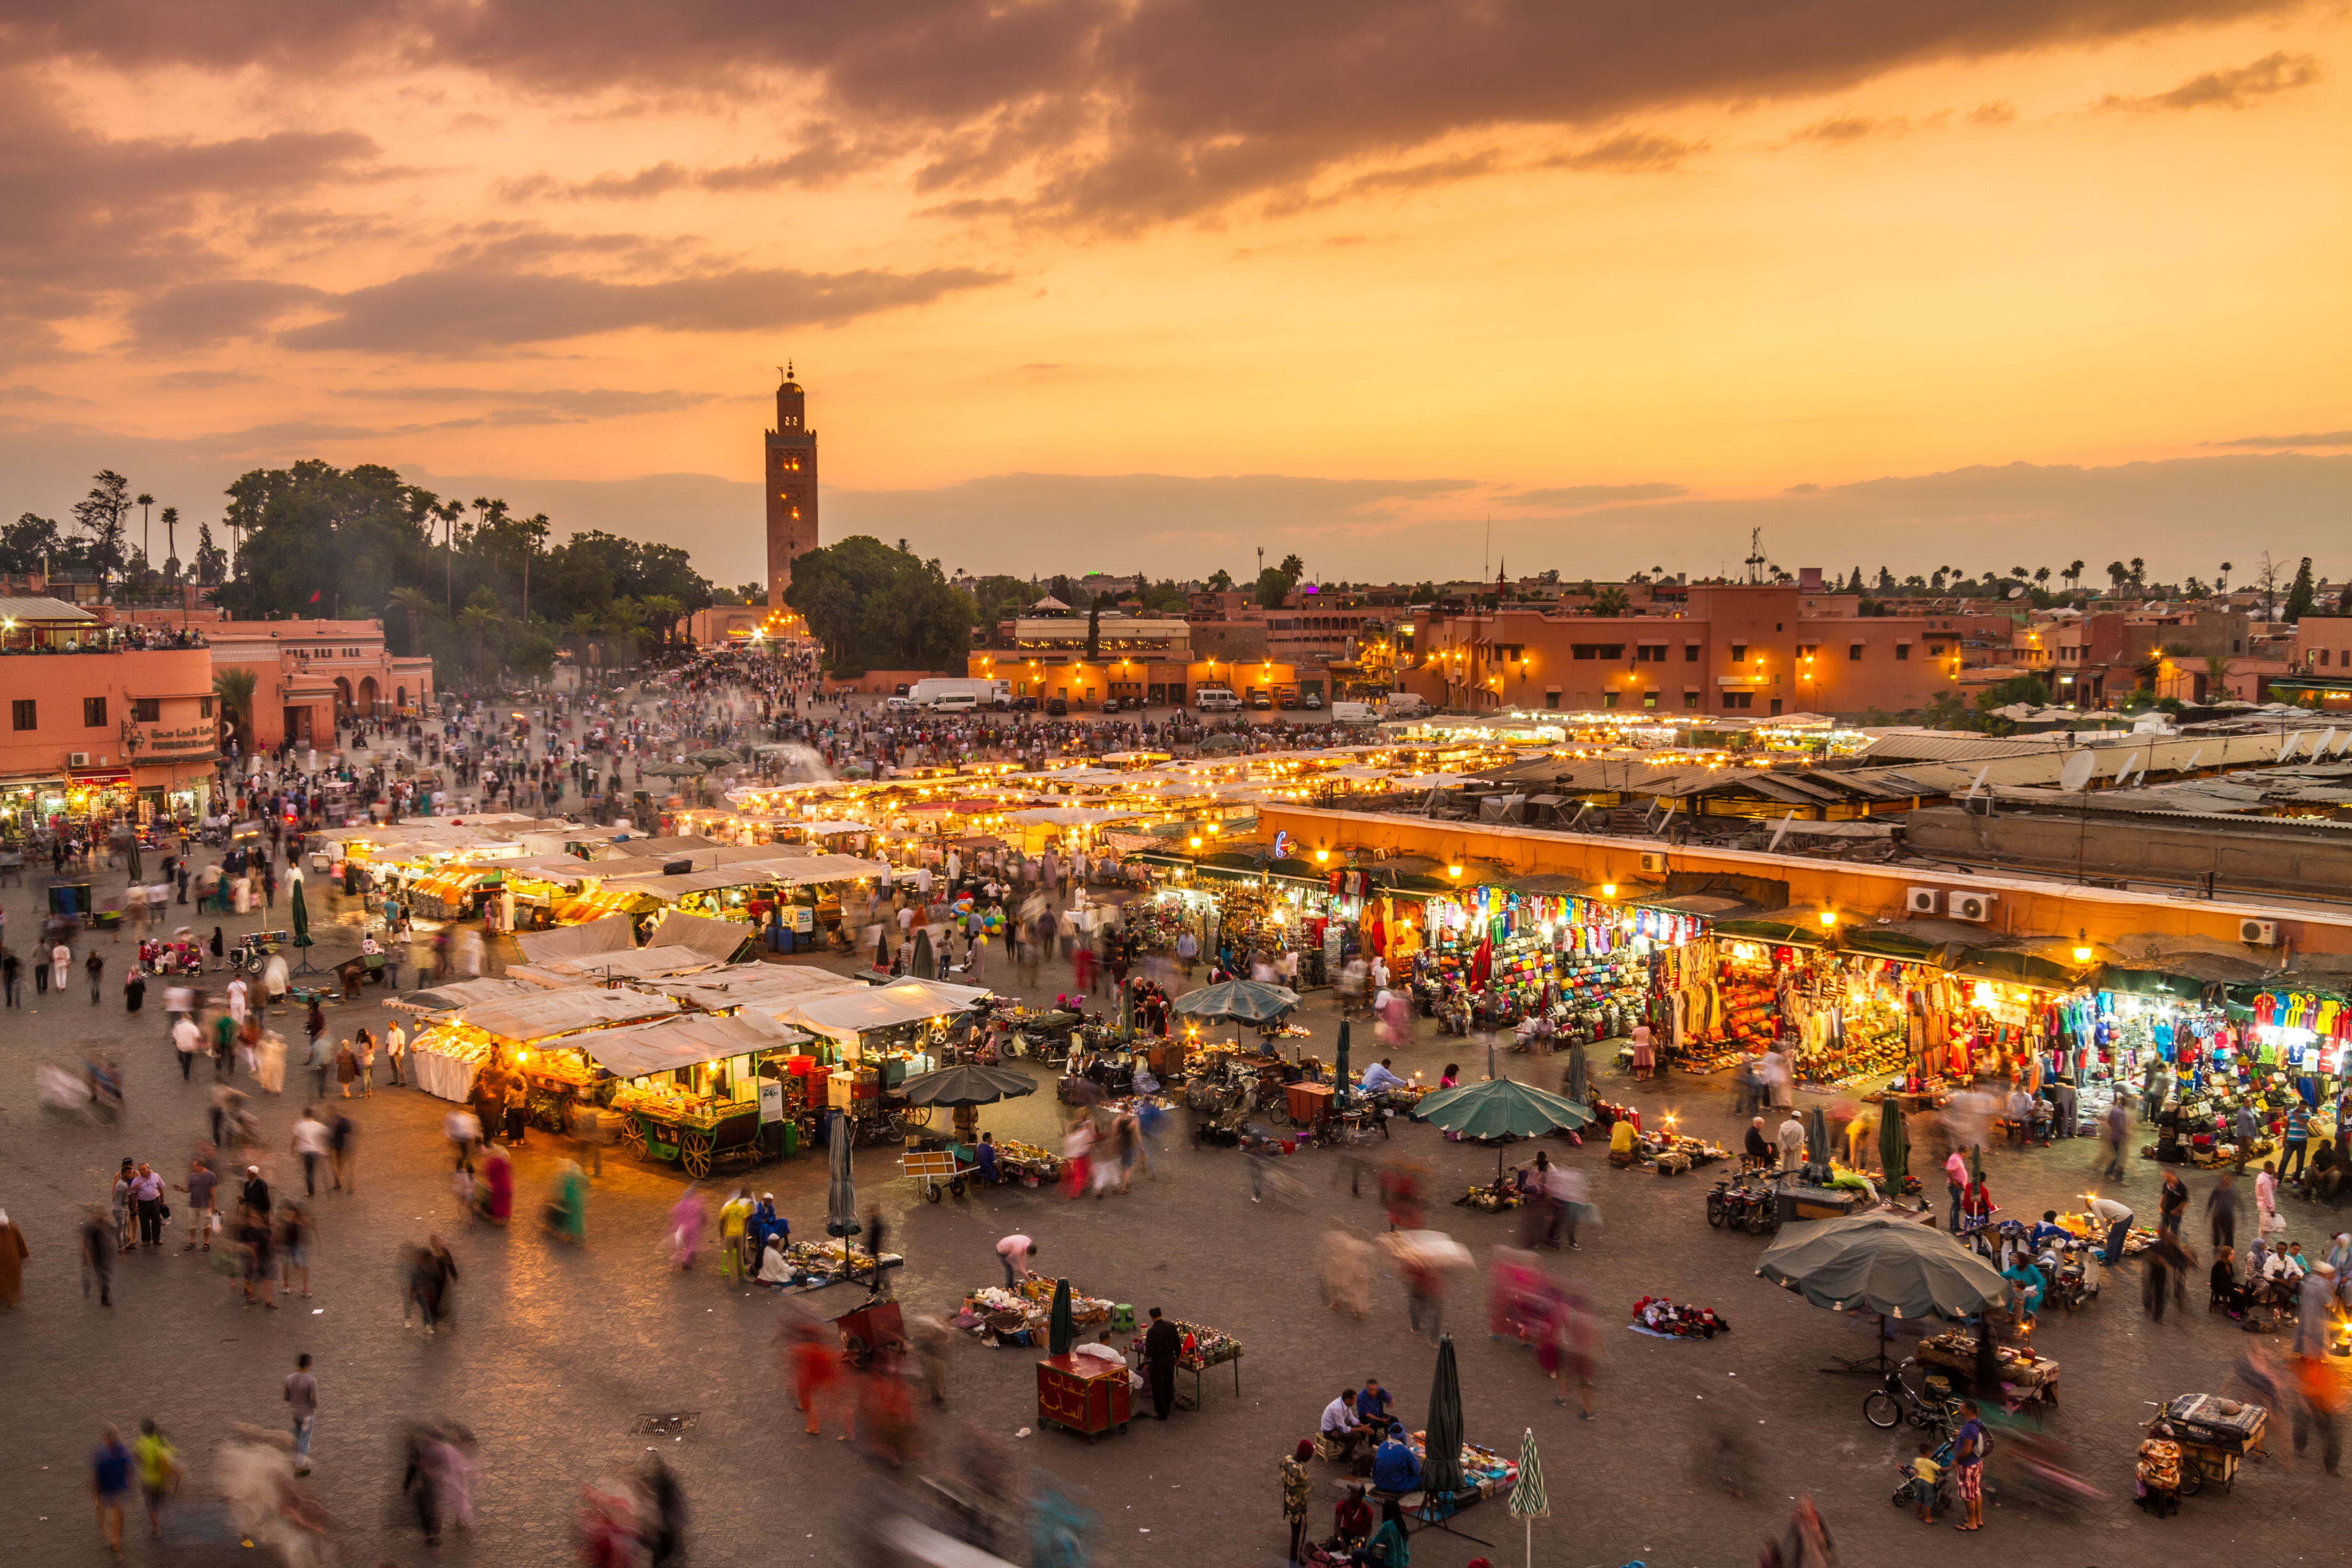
[
  {"x": 1441, "y": 1463},
  {"x": 1893, "y": 1145},
  {"x": 301, "y": 917}
]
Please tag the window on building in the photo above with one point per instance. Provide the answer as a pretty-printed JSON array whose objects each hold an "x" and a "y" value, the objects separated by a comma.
[
  {"x": 1902, "y": 650},
  {"x": 1551, "y": 700},
  {"x": 1649, "y": 700},
  {"x": 23, "y": 715},
  {"x": 1934, "y": 650},
  {"x": 1690, "y": 698},
  {"x": 149, "y": 709},
  {"x": 1609, "y": 699},
  {"x": 94, "y": 712},
  {"x": 204, "y": 706},
  {"x": 1854, "y": 650},
  {"x": 1739, "y": 653},
  {"x": 1650, "y": 653},
  {"x": 1690, "y": 653},
  {"x": 1739, "y": 700}
]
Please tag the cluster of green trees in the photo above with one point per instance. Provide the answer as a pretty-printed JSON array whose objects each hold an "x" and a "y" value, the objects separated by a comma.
[
  {"x": 475, "y": 587},
  {"x": 98, "y": 542},
  {"x": 871, "y": 607}
]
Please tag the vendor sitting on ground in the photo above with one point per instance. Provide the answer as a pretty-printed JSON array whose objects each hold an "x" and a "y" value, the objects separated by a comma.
[
  {"x": 1386, "y": 1547},
  {"x": 1378, "y": 1079},
  {"x": 774, "y": 1269},
  {"x": 1622, "y": 1143},
  {"x": 1343, "y": 1430},
  {"x": 2027, "y": 1279},
  {"x": 2228, "y": 1294},
  {"x": 1395, "y": 1466},
  {"x": 1760, "y": 1155},
  {"x": 1351, "y": 1519},
  {"x": 2049, "y": 1233},
  {"x": 2327, "y": 1172}
]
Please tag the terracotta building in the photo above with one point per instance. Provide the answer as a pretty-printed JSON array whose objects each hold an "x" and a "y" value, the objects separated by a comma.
[
  {"x": 789, "y": 471},
  {"x": 95, "y": 725},
  {"x": 1736, "y": 649},
  {"x": 308, "y": 675}
]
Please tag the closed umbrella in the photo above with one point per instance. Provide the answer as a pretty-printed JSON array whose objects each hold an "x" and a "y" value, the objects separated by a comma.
[
  {"x": 300, "y": 915},
  {"x": 1817, "y": 1145},
  {"x": 1060, "y": 1332},
  {"x": 926, "y": 967},
  {"x": 1576, "y": 1084},
  {"x": 1342, "y": 1096},
  {"x": 1441, "y": 1465},
  {"x": 841, "y": 1184},
  {"x": 882, "y": 951},
  {"x": 1894, "y": 1144},
  {"x": 1527, "y": 1501},
  {"x": 138, "y": 872},
  {"x": 966, "y": 1084}
]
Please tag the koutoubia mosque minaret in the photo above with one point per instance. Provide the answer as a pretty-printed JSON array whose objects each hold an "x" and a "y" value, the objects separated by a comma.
[{"x": 790, "y": 474}]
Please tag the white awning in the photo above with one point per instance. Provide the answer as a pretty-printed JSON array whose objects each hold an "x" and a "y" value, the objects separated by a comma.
[
  {"x": 684, "y": 1042},
  {"x": 844, "y": 1015},
  {"x": 555, "y": 1013},
  {"x": 613, "y": 933},
  {"x": 718, "y": 940}
]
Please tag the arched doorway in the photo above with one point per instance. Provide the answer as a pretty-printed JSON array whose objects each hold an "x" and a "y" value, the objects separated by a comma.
[
  {"x": 367, "y": 695},
  {"x": 400, "y": 698},
  {"x": 342, "y": 694}
]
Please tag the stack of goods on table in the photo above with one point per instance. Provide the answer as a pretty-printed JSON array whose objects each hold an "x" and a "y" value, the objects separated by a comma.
[
  {"x": 1521, "y": 965},
  {"x": 1671, "y": 1153},
  {"x": 824, "y": 1262},
  {"x": 1026, "y": 1163},
  {"x": 1205, "y": 1347},
  {"x": 1023, "y": 1315},
  {"x": 2020, "y": 1367},
  {"x": 1658, "y": 1316},
  {"x": 1484, "y": 1471},
  {"x": 1750, "y": 1007},
  {"x": 1602, "y": 998},
  {"x": 1492, "y": 1198},
  {"x": 2091, "y": 1228}
]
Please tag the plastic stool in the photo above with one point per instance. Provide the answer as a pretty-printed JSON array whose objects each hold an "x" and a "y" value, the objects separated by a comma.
[{"x": 1122, "y": 1317}]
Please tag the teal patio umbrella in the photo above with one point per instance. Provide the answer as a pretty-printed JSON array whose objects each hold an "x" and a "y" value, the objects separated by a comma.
[
  {"x": 1243, "y": 1001},
  {"x": 1440, "y": 1465},
  {"x": 1500, "y": 1108}
]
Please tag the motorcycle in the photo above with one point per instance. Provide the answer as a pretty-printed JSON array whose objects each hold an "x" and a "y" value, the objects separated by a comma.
[
  {"x": 2067, "y": 1268},
  {"x": 1741, "y": 1206}
]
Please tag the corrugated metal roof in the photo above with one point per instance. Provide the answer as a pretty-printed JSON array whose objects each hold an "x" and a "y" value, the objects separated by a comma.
[{"x": 42, "y": 609}]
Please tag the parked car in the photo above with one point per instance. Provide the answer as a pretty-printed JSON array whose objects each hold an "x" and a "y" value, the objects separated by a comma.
[
  {"x": 900, "y": 703},
  {"x": 1287, "y": 700},
  {"x": 900, "y": 691},
  {"x": 1110, "y": 705},
  {"x": 1311, "y": 702},
  {"x": 1024, "y": 705},
  {"x": 1259, "y": 699},
  {"x": 1057, "y": 706}
]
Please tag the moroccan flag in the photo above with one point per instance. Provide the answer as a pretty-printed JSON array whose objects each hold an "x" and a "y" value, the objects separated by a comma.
[{"x": 314, "y": 598}]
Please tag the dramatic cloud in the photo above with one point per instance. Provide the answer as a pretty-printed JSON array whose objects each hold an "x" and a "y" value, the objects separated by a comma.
[
  {"x": 463, "y": 310},
  {"x": 1139, "y": 112},
  {"x": 199, "y": 315},
  {"x": 2320, "y": 438},
  {"x": 2241, "y": 88},
  {"x": 1568, "y": 497},
  {"x": 1630, "y": 153}
]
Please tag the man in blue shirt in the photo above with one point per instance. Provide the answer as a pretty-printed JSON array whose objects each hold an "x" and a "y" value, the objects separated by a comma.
[
  {"x": 2298, "y": 1142},
  {"x": 1377, "y": 1076},
  {"x": 1372, "y": 1404},
  {"x": 110, "y": 1483},
  {"x": 2047, "y": 1234},
  {"x": 1394, "y": 1467}
]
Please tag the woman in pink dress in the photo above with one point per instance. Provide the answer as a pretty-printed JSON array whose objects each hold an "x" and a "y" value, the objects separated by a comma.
[
  {"x": 685, "y": 1229},
  {"x": 1644, "y": 1057}
]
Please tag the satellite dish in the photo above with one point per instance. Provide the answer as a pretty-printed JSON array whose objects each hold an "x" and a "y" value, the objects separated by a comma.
[
  {"x": 2078, "y": 770},
  {"x": 2017, "y": 592},
  {"x": 2125, "y": 771},
  {"x": 1978, "y": 783},
  {"x": 1779, "y": 831},
  {"x": 2190, "y": 766},
  {"x": 2320, "y": 748},
  {"x": 2287, "y": 746}
]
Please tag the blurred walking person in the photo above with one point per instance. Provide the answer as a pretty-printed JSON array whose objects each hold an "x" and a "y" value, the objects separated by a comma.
[
  {"x": 158, "y": 1464},
  {"x": 110, "y": 1484}
]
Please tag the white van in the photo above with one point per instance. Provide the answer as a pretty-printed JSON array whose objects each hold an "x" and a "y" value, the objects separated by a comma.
[
  {"x": 1215, "y": 699},
  {"x": 1407, "y": 705},
  {"x": 1354, "y": 713},
  {"x": 953, "y": 702}
]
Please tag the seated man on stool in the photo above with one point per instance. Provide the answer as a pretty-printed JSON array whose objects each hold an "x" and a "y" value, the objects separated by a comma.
[{"x": 1343, "y": 1431}]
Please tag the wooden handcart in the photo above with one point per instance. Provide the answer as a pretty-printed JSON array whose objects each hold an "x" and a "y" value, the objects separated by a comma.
[
  {"x": 695, "y": 1141},
  {"x": 2215, "y": 1435},
  {"x": 939, "y": 1171}
]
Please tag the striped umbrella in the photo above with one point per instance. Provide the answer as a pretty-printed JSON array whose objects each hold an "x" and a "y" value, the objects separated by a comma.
[{"x": 1527, "y": 1501}]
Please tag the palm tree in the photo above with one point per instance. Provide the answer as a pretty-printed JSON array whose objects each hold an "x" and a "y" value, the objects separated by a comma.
[
  {"x": 145, "y": 536},
  {"x": 416, "y": 602},
  {"x": 1610, "y": 601},
  {"x": 2073, "y": 574},
  {"x": 2117, "y": 575},
  {"x": 447, "y": 513},
  {"x": 2216, "y": 677},
  {"x": 624, "y": 619},
  {"x": 2221, "y": 583},
  {"x": 233, "y": 688},
  {"x": 2138, "y": 572},
  {"x": 475, "y": 625},
  {"x": 580, "y": 634},
  {"x": 172, "y": 538}
]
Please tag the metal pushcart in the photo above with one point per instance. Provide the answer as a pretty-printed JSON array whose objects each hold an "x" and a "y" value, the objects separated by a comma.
[
  {"x": 940, "y": 1170},
  {"x": 2215, "y": 1435}
]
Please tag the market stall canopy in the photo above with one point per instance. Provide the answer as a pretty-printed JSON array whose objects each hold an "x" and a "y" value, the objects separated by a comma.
[
  {"x": 966, "y": 1084},
  {"x": 644, "y": 964},
  {"x": 1500, "y": 1108},
  {"x": 764, "y": 987},
  {"x": 1882, "y": 1263},
  {"x": 720, "y": 941},
  {"x": 460, "y": 993},
  {"x": 556, "y": 868},
  {"x": 1782, "y": 928},
  {"x": 2015, "y": 967},
  {"x": 553, "y": 1013},
  {"x": 714, "y": 756},
  {"x": 613, "y": 933},
  {"x": 1079, "y": 815},
  {"x": 1244, "y": 1001},
  {"x": 684, "y": 1042},
  {"x": 845, "y": 1014},
  {"x": 782, "y": 871}
]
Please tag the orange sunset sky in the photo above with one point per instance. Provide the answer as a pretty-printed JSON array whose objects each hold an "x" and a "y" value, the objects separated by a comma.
[{"x": 1083, "y": 286}]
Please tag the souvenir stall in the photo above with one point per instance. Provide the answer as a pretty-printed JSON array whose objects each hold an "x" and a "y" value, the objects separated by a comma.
[
  {"x": 450, "y": 1052},
  {"x": 1019, "y": 1315}
]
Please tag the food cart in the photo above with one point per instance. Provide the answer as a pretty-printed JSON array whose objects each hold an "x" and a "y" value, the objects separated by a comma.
[
  {"x": 2214, "y": 1435},
  {"x": 449, "y": 1053},
  {"x": 705, "y": 1091}
]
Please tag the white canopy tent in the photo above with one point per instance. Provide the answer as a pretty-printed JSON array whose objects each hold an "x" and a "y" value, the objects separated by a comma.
[{"x": 844, "y": 1015}]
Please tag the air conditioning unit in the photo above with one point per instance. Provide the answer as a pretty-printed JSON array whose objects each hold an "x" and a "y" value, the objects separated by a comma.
[
  {"x": 76, "y": 759},
  {"x": 1653, "y": 863},
  {"x": 2258, "y": 933},
  {"x": 1975, "y": 907},
  {"x": 1924, "y": 900}
]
